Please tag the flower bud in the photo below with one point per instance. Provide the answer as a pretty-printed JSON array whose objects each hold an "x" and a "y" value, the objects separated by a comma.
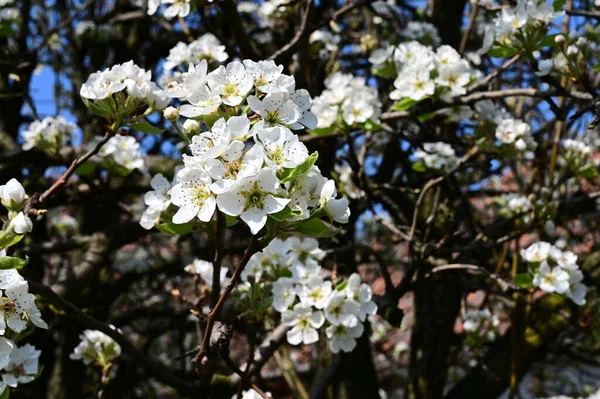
[
  {"x": 171, "y": 114},
  {"x": 191, "y": 127},
  {"x": 582, "y": 41},
  {"x": 13, "y": 195},
  {"x": 559, "y": 39},
  {"x": 572, "y": 50},
  {"x": 21, "y": 224}
]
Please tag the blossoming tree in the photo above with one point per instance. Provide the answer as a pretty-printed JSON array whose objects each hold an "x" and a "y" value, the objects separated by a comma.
[{"x": 299, "y": 199}]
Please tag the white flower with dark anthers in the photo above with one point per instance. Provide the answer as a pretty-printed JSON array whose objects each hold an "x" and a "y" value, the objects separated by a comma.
[
  {"x": 6, "y": 348},
  {"x": 211, "y": 144},
  {"x": 205, "y": 270},
  {"x": 231, "y": 83},
  {"x": 314, "y": 292},
  {"x": 253, "y": 198},
  {"x": 566, "y": 259},
  {"x": 284, "y": 294},
  {"x": 305, "y": 248},
  {"x": 191, "y": 82},
  {"x": 301, "y": 98},
  {"x": 193, "y": 196},
  {"x": 342, "y": 337},
  {"x": 537, "y": 252},
  {"x": 178, "y": 8},
  {"x": 446, "y": 56},
  {"x": 202, "y": 102},
  {"x": 227, "y": 169},
  {"x": 17, "y": 303},
  {"x": 275, "y": 109},
  {"x": 338, "y": 209},
  {"x": 455, "y": 77},
  {"x": 100, "y": 85},
  {"x": 157, "y": 200},
  {"x": 21, "y": 224},
  {"x": 304, "y": 323},
  {"x": 340, "y": 310},
  {"x": 9, "y": 277},
  {"x": 267, "y": 76},
  {"x": 550, "y": 279},
  {"x": 282, "y": 148},
  {"x": 361, "y": 293},
  {"x": 13, "y": 195},
  {"x": 415, "y": 84},
  {"x": 22, "y": 367},
  {"x": 96, "y": 348}
]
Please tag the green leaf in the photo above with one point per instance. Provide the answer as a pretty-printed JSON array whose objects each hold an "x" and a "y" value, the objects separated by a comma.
[
  {"x": 404, "y": 104},
  {"x": 588, "y": 170},
  {"x": 502, "y": 52},
  {"x": 324, "y": 131},
  {"x": 559, "y": 4},
  {"x": 317, "y": 228},
  {"x": 548, "y": 40},
  {"x": 85, "y": 169},
  {"x": 176, "y": 229},
  {"x": 6, "y": 30},
  {"x": 146, "y": 127},
  {"x": 289, "y": 174},
  {"x": 231, "y": 221},
  {"x": 523, "y": 280},
  {"x": 370, "y": 125},
  {"x": 342, "y": 286},
  {"x": 425, "y": 117},
  {"x": 8, "y": 239},
  {"x": 9, "y": 262},
  {"x": 101, "y": 108},
  {"x": 596, "y": 68},
  {"x": 387, "y": 70},
  {"x": 419, "y": 166},
  {"x": 286, "y": 213},
  {"x": 5, "y": 394}
]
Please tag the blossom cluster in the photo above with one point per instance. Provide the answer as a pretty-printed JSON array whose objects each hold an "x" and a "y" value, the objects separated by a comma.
[
  {"x": 17, "y": 305},
  {"x": 305, "y": 299},
  {"x": 422, "y": 72},
  {"x": 329, "y": 42},
  {"x": 18, "y": 364},
  {"x": 246, "y": 169},
  {"x": 480, "y": 326},
  {"x": 519, "y": 25},
  {"x": 124, "y": 152},
  {"x": 516, "y": 134},
  {"x": 122, "y": 79},
  {"x": 175, "y": 8},
  {"x": 96, "y": 348},
  {"x": 555, "y": 271},
  {"x": 206, "y": 47},
  {"x": 50, "y": 133},
  {"x": 514, "y": 204},
  {"x": 347, "y": 99},
  {"x": 438, "y": 156}
]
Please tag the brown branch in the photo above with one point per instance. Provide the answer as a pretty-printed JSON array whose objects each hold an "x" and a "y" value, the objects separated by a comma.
[
  {"x": 584, "y": 13},
  {"x": 210, "y": 320},
  {"x": 504, "y": 286},
  {"x": 475, "y": 97},
  {"x": 156, "y": 370},
  {"x": 487, "y": 79},
  {"x": 301, "y": 34},
  {"x": 39, "y": 199}
]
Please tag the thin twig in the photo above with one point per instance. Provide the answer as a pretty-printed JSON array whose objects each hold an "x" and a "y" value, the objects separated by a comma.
[
  {"x": 210, "y": 320},
  {"x": 472, "y": 17},
  {"x": 301, "y": 34},
  {"x": 487, "y": 79},
  {"x": 219, "y": 241}
]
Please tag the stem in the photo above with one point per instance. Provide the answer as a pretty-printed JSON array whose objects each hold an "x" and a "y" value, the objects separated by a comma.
[
  {"x": 219, "y": 240},
  {"x": 210, "y": 320}
]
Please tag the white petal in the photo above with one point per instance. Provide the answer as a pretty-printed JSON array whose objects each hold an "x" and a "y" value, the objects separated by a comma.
[{"x": 255, "y": 219}]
